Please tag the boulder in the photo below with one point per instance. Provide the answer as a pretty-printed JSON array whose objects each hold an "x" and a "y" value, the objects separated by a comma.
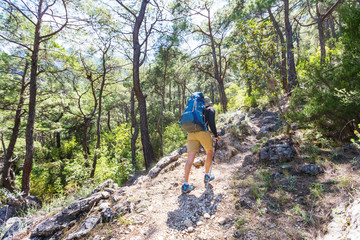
[
  {"x": 312, "y": 169},
  {"x": 107, "y": 215},
  {"x": 107, "y": 184},
  {"x": 15, "y": 227},
  {"x": 58, "y": 222},
  {"x": 86, "y": 226},
  {"x": 248, "y": 161},
  {"x": 171, "y": 157},
  {"x": 7, "y": 212},
  {"x": 277, "y": 150},
  {"x": 123, "y": 208},
  {"x": 32, "y": 202}
]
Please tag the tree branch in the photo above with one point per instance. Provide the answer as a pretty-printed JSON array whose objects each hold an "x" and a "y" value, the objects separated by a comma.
[
  {"x": 12, "y": 41},
  {"x": 61, "y": 28},
  {"x": 21, "y": 12},
  {"x": 126, "y": 8}
]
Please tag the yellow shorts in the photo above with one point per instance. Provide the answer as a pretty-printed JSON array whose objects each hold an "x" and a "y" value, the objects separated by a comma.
[{"x": 196, "y": 138}]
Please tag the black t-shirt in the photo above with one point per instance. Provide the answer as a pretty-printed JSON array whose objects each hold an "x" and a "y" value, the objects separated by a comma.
[{"x": 209, "y": 113}]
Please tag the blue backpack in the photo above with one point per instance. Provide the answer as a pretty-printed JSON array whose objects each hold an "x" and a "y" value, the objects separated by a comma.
[{"x": 192, "y": 120}]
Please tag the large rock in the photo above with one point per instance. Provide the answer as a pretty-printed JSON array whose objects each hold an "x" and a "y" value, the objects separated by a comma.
[
  {"x": 58, "y": 222},
  {"x": 32, "y": 202},
  {"x": 107, "y": 184},
  {"x": 7, "y": 212},
  {"x": 275, "y": 151},
  {"x": 171, "y": 157},
  {"x": 107, "y": 215},
  {"x": 86, "y": 226},
  {"x": 13, "y": 230},
  {"x": 312, "y": 169}
]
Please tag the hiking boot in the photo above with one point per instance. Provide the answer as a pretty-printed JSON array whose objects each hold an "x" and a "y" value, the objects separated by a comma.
[
  {"x": 208, "y": 178},
  {"x": 186, "y": 188}
]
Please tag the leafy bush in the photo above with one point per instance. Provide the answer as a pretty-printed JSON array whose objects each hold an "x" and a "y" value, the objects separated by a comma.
[
  {"x": 328, "y": 93},
  {"x": 115, "y": 156},
  {"x": 174, "y": 138},
  {"x": 57, "y": 171},
  {"x": 356, "y": 142}
]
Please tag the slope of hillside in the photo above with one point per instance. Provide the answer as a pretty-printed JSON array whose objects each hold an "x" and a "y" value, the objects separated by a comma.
[{"x": 265, "y": 187}]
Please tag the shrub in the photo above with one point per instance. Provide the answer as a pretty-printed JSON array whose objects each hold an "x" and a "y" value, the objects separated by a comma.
[{"x": 174, "y": 138}]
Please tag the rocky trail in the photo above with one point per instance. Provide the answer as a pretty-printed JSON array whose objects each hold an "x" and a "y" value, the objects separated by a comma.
[{"x": 153, "y": 207}]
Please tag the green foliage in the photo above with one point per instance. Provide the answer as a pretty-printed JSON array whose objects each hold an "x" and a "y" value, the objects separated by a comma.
[
  {"x": 254, "y": 48},
  {"x": 115, "y": 156},
  {"x": 58, "y": 171},
  {"x": 328, "y": 97},
  {"x": 316, "y": 191},
  {"x": 356, "y": 142},
  {"x": 174, "y": 137}
]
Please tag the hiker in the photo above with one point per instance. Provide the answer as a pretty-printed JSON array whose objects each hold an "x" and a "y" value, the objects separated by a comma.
[{"x": 204, "y": 138}]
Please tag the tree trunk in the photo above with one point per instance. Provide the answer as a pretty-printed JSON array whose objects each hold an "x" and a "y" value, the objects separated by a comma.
[
  {"x": 283, "y": 51},
  {"x": 135, "y": 126},
  {"x": 184, "y": 96},
  {"x": 217, "y": 73},
  {"x": 145, "y": 139},
  {"x": 212, "y": 93},
  {"x": 321, "y": 39},
  {"x": 8, "y": 182},
  {"x": 84, "y": 140},
  {"x": 28, "y": 162},
  {"x": 292, "y": 78},
  {"x": 98, "y": 123},
  {"x": 332, "y": 27},
  {"x": 108, "y": 121},
  {"x": 170, "y": 96},
  {"x": 179, "y": 99},
  {"x": 158, "y": 127}
]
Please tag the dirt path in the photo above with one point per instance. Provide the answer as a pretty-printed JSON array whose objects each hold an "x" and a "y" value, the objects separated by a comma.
[{"x": 163, "y": 212}]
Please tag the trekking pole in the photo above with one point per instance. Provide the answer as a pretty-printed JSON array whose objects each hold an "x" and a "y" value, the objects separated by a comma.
[{"x": 212, "y": 160}]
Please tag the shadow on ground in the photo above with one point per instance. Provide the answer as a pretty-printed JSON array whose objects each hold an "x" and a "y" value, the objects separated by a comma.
[{"x": 191, "y": 209}]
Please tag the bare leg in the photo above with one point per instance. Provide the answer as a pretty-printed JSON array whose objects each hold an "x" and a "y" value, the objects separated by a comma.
[
  {"x": 189, "y": 162},
  {"x": 209, "y": 155}
]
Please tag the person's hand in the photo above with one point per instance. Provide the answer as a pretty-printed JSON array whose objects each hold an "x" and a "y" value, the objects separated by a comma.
[{"x": 217, "y": 138}]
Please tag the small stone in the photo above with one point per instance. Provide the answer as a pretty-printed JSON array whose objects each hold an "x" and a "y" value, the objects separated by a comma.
[
  {"x": 105, "y": 194},
  {"x": 104, "y": 205},
  {"x": 221, "y": 220},
  {"x": 200, "y": 223},
  {"x": 206, "y": 215},
  {"x": 116, "y": 198},
  {"x": 188, "y": 223},
  {"x": 109, "y": 190},
  {"x": 190, "y": 229},
  {"x": 199, "y": 162},
  {"x": 115, "y": 186}
]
